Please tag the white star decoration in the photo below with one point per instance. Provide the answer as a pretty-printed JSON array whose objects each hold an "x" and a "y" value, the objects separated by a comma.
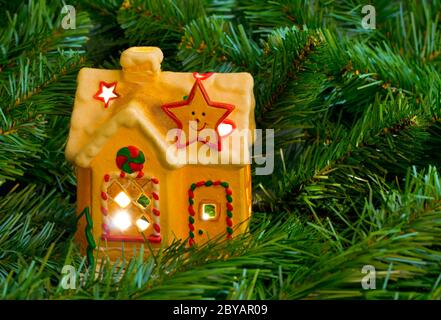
[{"x": 106, "y": 93}]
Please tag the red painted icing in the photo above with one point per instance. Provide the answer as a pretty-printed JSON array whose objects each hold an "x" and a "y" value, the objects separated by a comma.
[
  {"x": 220, "y": 105},
  {"x": 229, "y": 222},
  {"x": 140, "y": 174},
  {"x": 191, "y": 226},
  {"x": 202, "y": 76},
  {"x": 104, "y": 195},
  {"x": 134, "y": 151},
  {"x": 154, "y": 239},
  {"x": 156, "y": 227},
  {"x": 229, "y": 191},
  {"x": 229, "y": 206},
  {"x": 120, "y": 160},
  {"x": 232, "y": 124},
  {"x": 122, "y": 174},
  {"x": 190, "y": 193},
  {"x": 154, "y": 180},
  {"x": 105, "y": 228},
  {"x": 136, "y": 166},
  {"x": 156, "y": 212},
  {"x": 200, "y": 183},
  {"x": 191, "y": 210},
  {"x": 190, "y": 241},
  {"x": 216, "y": 183},
  {"x": 106, "y": 177},
  {"x": 155, "y": 196},
  {"x": 122, "y": 238},
  {"x": 104, "y": 211},
  {"x": 107, "y": 85}
]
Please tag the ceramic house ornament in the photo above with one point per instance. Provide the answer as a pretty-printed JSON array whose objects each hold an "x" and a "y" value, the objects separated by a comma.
[{"x": 160, "y": 155}]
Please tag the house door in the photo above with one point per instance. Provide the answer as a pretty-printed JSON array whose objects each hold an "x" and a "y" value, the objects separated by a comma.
[{"x": 210, "y": 211}]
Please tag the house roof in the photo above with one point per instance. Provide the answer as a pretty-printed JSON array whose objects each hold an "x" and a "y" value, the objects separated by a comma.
[{"x": 143, "y": 89}]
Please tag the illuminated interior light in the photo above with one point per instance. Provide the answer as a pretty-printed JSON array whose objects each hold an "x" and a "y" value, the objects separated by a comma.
[
  {"x": 142, "y": 224},
  {"x": 122, "y": 199},
  {"x": 225, "y": 128},
  {"x": 208, "y": 211},
  {"x": 121, "y": 220}
]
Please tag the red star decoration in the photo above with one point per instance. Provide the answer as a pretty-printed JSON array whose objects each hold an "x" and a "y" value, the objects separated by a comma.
[
  {"x": 198, "y": 107},
  {"x": 106, "y": 93}
]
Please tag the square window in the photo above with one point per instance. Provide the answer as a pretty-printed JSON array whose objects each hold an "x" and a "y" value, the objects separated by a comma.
[
  {"x": 144, "y": 201},
  {"x": 143, "y": 223},
  {"x": 209, "y": 211},
  {"x": 122, "y": 199}
]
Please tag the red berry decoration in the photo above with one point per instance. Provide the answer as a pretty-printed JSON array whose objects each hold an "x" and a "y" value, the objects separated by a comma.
[{"x": 130, "y": 159}]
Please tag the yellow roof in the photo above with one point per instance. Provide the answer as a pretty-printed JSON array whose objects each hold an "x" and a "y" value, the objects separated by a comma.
[{"x": 142, "y": 90}]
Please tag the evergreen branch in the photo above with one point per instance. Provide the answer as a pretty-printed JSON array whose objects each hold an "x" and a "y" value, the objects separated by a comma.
[
  {"x": 339, "y": 161},
  {"x": 27, "y": 225},
  {"x": 36, "y": 29},
  {"x": 213, "y": 44},
  {"x": 159, "y": 23}
]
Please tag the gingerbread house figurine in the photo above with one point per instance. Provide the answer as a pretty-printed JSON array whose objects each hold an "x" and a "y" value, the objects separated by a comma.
[{"x": 160, "y": 155}]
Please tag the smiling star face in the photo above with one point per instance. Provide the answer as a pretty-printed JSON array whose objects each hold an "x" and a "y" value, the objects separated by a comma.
[{"x": 196, "y": 114}]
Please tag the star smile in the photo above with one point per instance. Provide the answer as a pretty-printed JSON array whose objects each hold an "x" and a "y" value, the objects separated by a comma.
[
  {"x": 203, "y": 127},
  {"x": 205, "y": 124},
  {"x": 216, "y": 112}
]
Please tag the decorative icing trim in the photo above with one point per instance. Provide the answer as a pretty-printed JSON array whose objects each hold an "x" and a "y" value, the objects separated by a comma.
[
  {"x": 155, "y": 236},
  {"x": 91, "y": 245},
  {"x": 202, "y": 76},
  {"x": 111, "y": 95},
  {"x": 192, "y": 212},
  {"x": 220, "y": 105}
]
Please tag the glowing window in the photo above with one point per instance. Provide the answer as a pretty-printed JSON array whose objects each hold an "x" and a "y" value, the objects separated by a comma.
[
  {"x": 122, "y": 199},
  {"x": 129, "y": 203},
  {"x": 121, "y": 220},
  {"x": 142, "y": 223},
  {"x": 209, "y": 210}
]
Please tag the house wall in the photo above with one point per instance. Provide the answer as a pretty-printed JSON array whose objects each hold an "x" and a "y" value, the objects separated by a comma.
[
  {"x": 173, "y": 194},
  {"x": 239, "y": 182},
  {"x": 104, "y": 163}
]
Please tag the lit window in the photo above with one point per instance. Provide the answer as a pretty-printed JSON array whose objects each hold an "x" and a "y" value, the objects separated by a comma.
[
  {"x": 142, "y": 223},
  {"x": 121, "y": 220},
  {"x": 209, "y": 211},
  {"x": 226, "y": 127},
  {"x": 122, "y": 199}
]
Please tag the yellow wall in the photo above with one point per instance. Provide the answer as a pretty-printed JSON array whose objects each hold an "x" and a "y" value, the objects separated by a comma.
[
  {"x": 174, "y": 185},
  {"x": 240, "y": 183}
]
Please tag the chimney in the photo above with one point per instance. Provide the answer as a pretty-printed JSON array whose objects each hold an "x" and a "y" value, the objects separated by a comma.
[{"x": 141, "y": 63}]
